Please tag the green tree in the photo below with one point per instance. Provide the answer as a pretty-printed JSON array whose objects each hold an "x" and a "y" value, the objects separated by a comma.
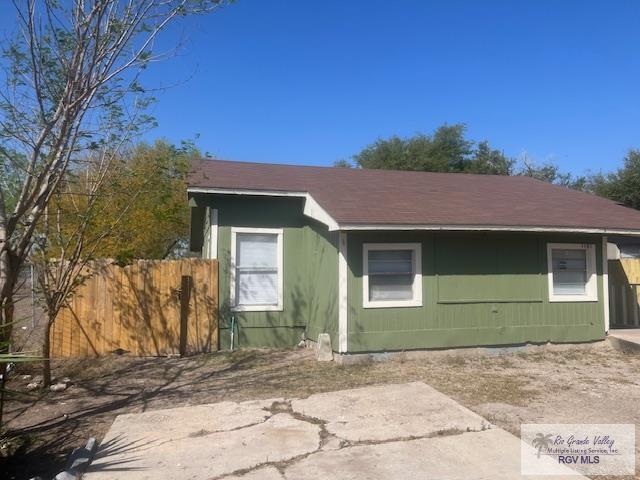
[
  {"x": 446, "y": 150},
  {"x": 342, "y": 163},
  {"x": 449, "y": 148},
  {"x": 490, "y": 161},
  {"x": 126, "y": 207},
  {"x": 151, "y": 193},
  {"x": 622, "y": 186},
  {"x": 70, "y": 84},
  {"x": 549, "y": 172}
]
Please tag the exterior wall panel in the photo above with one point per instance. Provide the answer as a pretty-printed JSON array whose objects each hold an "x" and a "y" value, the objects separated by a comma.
[
  {"x": 322, "y": 285},
  {"x": 478, "y": 289},
  {"x": 310, "y": 273}
]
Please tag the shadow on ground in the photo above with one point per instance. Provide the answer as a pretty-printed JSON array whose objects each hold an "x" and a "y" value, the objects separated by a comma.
[{"x": 508, "y": 388}]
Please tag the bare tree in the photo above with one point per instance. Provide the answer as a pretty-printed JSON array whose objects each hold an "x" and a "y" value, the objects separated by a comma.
[
  {"x": 72, "y": 231},
  {"x": 74, "y": 66}
]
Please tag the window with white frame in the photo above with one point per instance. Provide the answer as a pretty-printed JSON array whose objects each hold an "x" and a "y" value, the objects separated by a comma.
[
  {"x": 392, "y": 275},
  {"x": 256, "y": 269},
  {"x": 572, "y": 272}
]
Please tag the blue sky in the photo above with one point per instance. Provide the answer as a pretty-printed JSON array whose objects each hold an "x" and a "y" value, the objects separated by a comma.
[{"x": 313, "y": 82}]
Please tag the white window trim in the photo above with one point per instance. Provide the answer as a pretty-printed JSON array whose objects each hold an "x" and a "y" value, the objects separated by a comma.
[
  {"x": 591, "y": 288},
  {"x": 416, "y": 301},
  {"x": 256, "y": 308}
]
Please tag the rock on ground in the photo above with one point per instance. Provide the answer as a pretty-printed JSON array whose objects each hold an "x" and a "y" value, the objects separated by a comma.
[
  {"x": 58, "y": 387},
  {"x": 324, "y": 353}
]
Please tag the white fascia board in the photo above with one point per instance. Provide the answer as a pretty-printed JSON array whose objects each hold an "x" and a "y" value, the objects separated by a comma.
[
  {"x": 246, "y": 191},
  {"x": 481, "y": 228},
  {"x": 312, "y": 208}
]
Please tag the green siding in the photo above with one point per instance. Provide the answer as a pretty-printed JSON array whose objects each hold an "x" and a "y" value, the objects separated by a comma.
[
  {"x": 478, "y": 289},
  {"x": 310, "y": 265},
  {"x": 322, "y": 257},
  {"x": 476, "y": 269}
]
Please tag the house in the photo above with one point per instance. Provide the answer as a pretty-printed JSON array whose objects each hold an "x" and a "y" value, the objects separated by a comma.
[{"x": 387, "y": 260}]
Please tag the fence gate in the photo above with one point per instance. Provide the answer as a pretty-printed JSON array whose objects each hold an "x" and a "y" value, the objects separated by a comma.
[{"x": 151, "y": 307}]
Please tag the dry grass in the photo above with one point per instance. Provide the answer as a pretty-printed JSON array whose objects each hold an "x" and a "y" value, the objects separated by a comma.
[{"x": 540, "y": 384}]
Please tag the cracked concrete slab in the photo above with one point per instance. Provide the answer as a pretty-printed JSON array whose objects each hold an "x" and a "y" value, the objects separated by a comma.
[
  {"x": 383, "y": 432},
  {"x": 265, "y": 473},
  {"x": 490, "y": 455},
  {"x": 162, "y": 425},
  {"x": 389, "y": 412},
  {"x": 201, "y": 455}
]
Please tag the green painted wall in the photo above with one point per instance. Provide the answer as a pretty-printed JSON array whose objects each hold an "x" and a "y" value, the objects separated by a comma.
[
  {"x": 310, "y": 272},
  {"x": 322, "y": 286},
  {"x": 478, "y": 289}
]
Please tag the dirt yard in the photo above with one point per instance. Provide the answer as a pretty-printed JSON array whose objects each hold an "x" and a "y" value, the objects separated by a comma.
[{"x": 546, "y": 384}]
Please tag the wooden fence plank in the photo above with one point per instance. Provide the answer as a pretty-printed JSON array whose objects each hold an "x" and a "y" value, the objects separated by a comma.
[
  {"x": 624, "y": 303},
  {"x": 631, "y": 267},
  {"x": 137, "y": 309}
]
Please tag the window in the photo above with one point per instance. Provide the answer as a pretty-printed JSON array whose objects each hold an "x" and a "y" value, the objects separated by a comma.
[
  {"x": 392, "y": 275},
  {"x": 256, "y": 269},
  {"x": 572, "y": 272}
]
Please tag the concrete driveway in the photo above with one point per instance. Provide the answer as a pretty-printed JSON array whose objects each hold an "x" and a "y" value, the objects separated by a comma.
[{"x": 384, "y": 432}]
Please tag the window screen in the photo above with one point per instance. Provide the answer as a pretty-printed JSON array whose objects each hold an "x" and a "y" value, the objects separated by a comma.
[
  {"x": 390, "y": 274},
  {"x": 569, "y": 271},
  {"x": 256, "y": 269}
]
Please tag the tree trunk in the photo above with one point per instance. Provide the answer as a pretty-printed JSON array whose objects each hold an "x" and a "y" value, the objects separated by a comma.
[
  {"x": 46, "y": 355},
  {"x": 9, "y": 267},
  {"x": 6, "y": 317},
  {"x": 3, "y": 371},
  {"x": 6, "y": 322}
]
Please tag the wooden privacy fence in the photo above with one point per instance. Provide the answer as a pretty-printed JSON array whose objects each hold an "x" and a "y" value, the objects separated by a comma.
[
  {"x": 624, "y": 289},
  {"x": 147, "y": 308}
]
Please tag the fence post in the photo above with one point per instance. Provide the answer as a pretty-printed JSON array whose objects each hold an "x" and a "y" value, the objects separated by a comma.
[
  {"x": 33, "y": 296},
  {"x": 185, "y": 297},
  {"x": 636, "y": 307}
]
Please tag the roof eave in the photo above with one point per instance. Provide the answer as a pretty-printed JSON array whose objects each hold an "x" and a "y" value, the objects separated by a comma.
[
  {"x": 491, "y": 228},
  {"x": 312, "y": 208}
]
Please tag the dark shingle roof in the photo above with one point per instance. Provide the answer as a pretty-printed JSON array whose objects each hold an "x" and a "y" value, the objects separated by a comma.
[{"x": 385, "y": 197}]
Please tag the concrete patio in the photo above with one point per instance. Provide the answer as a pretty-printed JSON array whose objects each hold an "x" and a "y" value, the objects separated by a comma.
[
  {"x": 383, "y": 432},
  {"x": 625, "y": 339}
]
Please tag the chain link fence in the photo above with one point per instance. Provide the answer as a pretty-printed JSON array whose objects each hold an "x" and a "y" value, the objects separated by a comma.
[{"x": 28, "y": 330}]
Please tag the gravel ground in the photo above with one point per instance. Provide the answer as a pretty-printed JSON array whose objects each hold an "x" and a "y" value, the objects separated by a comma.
[{"x": 541, "y": 384}]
